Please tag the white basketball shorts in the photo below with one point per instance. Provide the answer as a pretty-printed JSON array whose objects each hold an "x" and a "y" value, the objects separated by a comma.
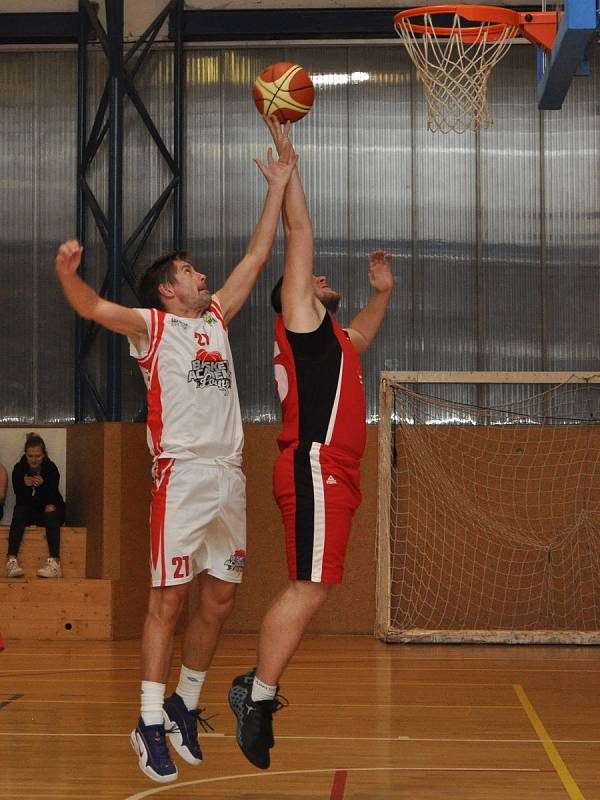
[{"x": 197, "y": 522}]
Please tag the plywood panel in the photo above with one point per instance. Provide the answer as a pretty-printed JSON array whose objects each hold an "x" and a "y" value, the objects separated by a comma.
[
  {"x": 49, "y": 609},
  {"x": 134, "y": 543},
  {"x": 351, "y": 607},
  {"x": 114, "y": 496},
  {"x": 85, "y": 476}
]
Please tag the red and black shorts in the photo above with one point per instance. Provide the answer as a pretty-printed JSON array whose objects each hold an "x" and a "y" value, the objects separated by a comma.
[{"x": 317, "y": 490}]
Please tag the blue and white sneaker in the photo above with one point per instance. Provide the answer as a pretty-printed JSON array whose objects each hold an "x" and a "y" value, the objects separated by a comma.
[
  {"x": 154, "y": 759},
  {"x": 182, "y": 728}
]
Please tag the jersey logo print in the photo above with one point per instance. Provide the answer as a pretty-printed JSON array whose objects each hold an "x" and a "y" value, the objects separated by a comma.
[
  {"x": 331, "y": 480},
  {"x": 209, "y": 368},
  {"x": 236, "y": 561}
]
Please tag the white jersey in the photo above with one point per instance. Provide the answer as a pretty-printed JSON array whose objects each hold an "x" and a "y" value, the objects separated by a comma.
[{"x": 193, "y": 406}]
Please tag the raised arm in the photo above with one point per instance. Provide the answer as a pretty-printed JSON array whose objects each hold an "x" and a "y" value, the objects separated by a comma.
[
  {"x": 300, "y": 308},
  {"x": 239, "y": 284},
  {"x": 363, "y": 328},
  {"x": 88, "y": 303}
]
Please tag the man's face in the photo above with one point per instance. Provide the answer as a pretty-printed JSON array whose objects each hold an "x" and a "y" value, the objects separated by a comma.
[
  {"x": 190, "y": 287},
  {"x": 328, "y": 296}
]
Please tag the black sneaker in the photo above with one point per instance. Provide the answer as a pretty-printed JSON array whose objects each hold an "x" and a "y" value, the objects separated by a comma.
[
  {"x": 255, "y": 720},
  {"x": 182, "y": 728},
  {"x": 246, "y": 680},
  {"x": 154, "y": 759}
]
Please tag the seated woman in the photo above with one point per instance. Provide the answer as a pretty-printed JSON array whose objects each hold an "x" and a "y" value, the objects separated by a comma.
[
  {"x": 3, "y": 488},
  {"x": 37, "y": 502}
]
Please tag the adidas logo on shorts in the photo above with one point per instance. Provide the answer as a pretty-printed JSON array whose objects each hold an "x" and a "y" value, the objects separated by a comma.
[{"x": 331, "y": 480}]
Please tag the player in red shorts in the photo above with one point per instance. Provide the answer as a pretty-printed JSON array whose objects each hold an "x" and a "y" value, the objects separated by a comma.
[{"x": 316, "y": 476}]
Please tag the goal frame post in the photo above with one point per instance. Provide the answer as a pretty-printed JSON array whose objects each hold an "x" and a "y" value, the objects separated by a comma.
[{"x": 383, "y": 629}]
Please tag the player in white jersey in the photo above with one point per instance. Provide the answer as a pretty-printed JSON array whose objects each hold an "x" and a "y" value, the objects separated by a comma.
[{"x": 195, "y": 435}]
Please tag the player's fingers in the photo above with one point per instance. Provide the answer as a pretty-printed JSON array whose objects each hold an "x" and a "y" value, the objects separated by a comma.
[
  {"x": 285, "y": 153},
  {"x": 64, "y": 252},
  {"x": 271, "y": 125},
  {"x": 262, "y": 167}
]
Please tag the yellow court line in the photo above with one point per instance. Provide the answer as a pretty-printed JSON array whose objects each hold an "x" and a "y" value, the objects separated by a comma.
[{"x": 559, "y": 765}]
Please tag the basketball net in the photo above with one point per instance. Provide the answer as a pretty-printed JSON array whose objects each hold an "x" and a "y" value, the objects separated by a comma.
[
  {"x": 454, "y": 65},
  {"x": 494, "y": 517}
]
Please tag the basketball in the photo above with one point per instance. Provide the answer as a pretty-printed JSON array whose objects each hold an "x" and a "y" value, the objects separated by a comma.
[{"x": 285, "y": 91}]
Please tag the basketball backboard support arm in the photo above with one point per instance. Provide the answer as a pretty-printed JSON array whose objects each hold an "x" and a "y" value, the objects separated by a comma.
[{"x": 576, "y": 27}]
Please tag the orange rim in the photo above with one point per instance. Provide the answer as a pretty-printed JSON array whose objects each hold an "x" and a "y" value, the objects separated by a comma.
[{"x": 498, "y": 18}]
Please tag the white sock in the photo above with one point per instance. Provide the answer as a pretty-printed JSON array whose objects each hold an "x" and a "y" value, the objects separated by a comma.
[
  {"x": 189, "y": 686},
  {"x": 153, "y": 697},
  {"x": 262, "y": 691}
]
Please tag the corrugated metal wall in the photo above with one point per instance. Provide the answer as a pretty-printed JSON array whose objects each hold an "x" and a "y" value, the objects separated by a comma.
[{"x": 495, "y": 236}]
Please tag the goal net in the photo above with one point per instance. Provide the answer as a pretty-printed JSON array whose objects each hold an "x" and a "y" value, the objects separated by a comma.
[{"x": 489, "y": 508}]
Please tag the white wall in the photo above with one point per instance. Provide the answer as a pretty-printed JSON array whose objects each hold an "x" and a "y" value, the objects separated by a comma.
[
  {"x": 12, "y": 441},
  {"x": 138, "y": 13}
]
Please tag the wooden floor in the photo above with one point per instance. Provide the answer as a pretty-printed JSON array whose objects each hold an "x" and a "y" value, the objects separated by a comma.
[{"x": 366, "y": 721}]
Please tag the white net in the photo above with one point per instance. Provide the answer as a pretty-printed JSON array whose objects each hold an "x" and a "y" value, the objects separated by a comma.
[
  {"x": 454, "y": 69},
  {"x": 492, "y": 530}
]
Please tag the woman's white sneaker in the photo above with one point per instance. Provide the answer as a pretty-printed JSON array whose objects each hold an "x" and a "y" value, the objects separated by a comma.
[
  {"x": 13, "y": 570},
  {"x": 50, "y": 570}
]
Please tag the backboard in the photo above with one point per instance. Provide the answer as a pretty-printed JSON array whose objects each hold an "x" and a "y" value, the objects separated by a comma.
[{"x": 577, "y": 23}]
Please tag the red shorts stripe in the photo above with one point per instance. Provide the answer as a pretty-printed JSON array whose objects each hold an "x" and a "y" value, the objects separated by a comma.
[
  {"x": 157, "y": 514},
  {"x": 317, "y": 492}
]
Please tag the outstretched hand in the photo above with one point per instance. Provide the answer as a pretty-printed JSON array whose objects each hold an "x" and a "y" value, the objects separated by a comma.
[
  {"x": 278, "y": 173},
  {"x": 380, "y": 271},
  {"x": 68, "y": 257},
  {"x": 280, "y": 133}
]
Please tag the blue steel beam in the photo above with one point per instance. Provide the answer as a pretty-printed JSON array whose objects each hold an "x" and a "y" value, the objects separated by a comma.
[
  {"x": 115, "y": 25},
  {"x": 576, "y": 28},
  {"x": 40, "y": 28},
  {"x": 122, "y": 253}
]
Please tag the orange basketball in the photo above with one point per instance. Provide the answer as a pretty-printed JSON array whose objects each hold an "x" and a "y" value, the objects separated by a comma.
[{"x": 285, "y": 91}]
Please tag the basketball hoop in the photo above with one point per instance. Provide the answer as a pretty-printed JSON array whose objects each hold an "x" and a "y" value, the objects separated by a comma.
[{"x": 454, "y": 60}]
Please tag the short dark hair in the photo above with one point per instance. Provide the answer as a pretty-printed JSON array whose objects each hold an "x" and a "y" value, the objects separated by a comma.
[
  {"x": 162, "y": 270},
  {"x": 276, "y": 296}
]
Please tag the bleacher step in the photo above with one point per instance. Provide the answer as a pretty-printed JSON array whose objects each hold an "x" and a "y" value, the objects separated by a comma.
[
  {"x": 34, "y": 551},
  {"x": 56, "y": 608}
]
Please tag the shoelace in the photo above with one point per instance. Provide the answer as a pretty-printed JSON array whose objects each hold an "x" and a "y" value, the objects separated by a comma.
[
  {"x": 203, "y": 721},
  {"x": 266, "y": 720},
  {"x": 196, "y": 715},
  {"x": 280, "y": 702},
  {"x": 160, "y": 744}
]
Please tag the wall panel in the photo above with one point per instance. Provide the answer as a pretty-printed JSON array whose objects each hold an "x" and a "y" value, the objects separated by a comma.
[{"x": 494, "y": 235}]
